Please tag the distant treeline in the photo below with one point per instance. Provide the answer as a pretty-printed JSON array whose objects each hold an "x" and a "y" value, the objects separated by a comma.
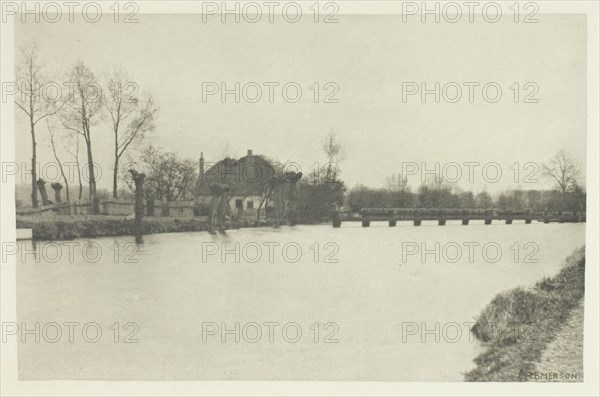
[
  {"x": 568, "y": 193},
  {"x": 432, "y": 196}
]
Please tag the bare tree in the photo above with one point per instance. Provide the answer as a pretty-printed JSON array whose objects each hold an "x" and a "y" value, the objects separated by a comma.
[
  {"x": 169, "y": 177},
  {"x": 52, "y": 131},
  {"x": 81, "y": 113},
  {"x": 484, "y": 200},
  {"x": 71, "y": 146},
  {"x": 335, "y": 154},
  {"x": 396, "y": 183},
  {"x": 31, "y": 81},
  {"x": 563, "y": 171},
  {"x": 130, "y": 117}
]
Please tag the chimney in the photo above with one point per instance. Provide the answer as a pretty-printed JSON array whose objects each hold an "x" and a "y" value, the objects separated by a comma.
[
  {"x": 201, "y": 163},
  {"x": 249, "y": 152}
]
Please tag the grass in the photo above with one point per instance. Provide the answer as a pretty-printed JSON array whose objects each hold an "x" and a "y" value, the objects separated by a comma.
[
  {"x": 72, "y": 227},
  {"x": 517, "y": 325},
  {"x": 69, "y": 227}
]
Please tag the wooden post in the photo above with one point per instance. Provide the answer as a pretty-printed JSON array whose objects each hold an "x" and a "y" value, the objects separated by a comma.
[
  {"x": 489, "y": 216},
  {"x": 465, "y": 221},
  {"x": 441, "y": 222},
  {"x": 215, "y": 192},
  {"x": 138, "y": 179},
  {"x": 509, "y": 218},
  {"x": 417, "y": 222},
  {"x": 393, "y": 219},
  {"x": 336, "y": 219}
]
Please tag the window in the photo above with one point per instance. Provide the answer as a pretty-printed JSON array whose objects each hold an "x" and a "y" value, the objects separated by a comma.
[
  {"x": 239, "y": 204},
  {"x": 249, "y": 204}
]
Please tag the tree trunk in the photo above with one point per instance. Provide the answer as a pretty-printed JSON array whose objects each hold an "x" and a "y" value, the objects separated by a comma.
[
  {"x": 78, "y": 169},
  {"x": 222, "y": 209},
  {"x": 57, "y": 188},
  {"x": 292, "y": 213},
  {"x": 259, "y": 208},
  {"x": 214, "y": 203},
  {"x": 41, "y": 184},
  {"x": 139, "y": 206},
  {"x": 92, "y": 183},
  {"x": 115, "y": 176},
  {"x": 116, "y": 167},
  {"x": 292, "y": 199},
  {"x": 79, "y": 180},
  {"x": 62, "y": 170},
  {"x": 34, "y": 196}
]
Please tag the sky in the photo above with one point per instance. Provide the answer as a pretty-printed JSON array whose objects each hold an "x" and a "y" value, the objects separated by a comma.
[{"x": 368, "y": 58}]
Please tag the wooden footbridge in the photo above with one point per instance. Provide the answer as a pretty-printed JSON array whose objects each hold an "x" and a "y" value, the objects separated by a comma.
[{"x": 441, "y": 215}]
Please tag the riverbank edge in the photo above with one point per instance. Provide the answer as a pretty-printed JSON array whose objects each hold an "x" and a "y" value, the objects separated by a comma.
[
  {"x": 67, "y": 228},
  {"x": 518, "y": 325}
]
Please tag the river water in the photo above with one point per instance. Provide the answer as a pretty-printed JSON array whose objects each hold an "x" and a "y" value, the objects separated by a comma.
[{"x": 289, "y": 303}]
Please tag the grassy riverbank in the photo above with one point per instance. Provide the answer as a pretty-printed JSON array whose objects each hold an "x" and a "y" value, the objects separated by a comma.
[
  {"x": 72, "y": 227},
  {"x": 519, "y": 325}
]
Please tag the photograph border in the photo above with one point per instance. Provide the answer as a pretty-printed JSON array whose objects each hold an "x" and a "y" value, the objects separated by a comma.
[{"x": 10, "y": 385}]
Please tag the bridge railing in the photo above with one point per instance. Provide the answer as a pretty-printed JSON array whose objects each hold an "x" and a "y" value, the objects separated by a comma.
[
  {"x": 392, "y": 215},
  {"x": 377, "y": 211}
]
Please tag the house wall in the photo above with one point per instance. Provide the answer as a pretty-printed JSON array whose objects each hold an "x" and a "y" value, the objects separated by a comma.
[
  {"x": 245, "y": 200},
  {"x": 207, "y": 200},
  {"x": 269, "y": 206},
  {"x": 117, "y": 207}
]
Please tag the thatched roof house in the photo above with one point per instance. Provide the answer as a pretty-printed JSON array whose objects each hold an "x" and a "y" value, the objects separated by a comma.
[{"x": 247, "y": 179}]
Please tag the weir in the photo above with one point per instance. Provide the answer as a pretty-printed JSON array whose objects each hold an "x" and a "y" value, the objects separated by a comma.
[{"x": 441, "y": 215}]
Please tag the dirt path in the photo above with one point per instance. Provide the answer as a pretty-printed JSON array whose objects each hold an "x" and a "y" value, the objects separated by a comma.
[{"x": 562, "y": 361}]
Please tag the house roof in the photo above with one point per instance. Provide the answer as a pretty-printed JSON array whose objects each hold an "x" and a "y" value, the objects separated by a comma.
[{"x": 247, "y": 176}]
